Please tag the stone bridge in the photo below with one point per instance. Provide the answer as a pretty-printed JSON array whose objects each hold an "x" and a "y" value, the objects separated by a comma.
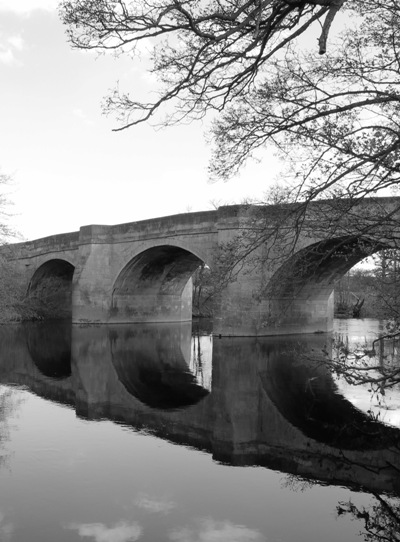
[{"x": 279, "y": 264}]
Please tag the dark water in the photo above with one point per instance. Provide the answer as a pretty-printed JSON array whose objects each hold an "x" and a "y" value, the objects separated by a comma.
[{"x": 118, "y": 434}]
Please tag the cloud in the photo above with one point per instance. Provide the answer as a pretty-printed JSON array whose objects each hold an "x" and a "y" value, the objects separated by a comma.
[
  {"x": 81, "y": 115},
  {"x": 121, "y": 532},
  {"x": 152, "y": 505},
  {"x": 16, "y": 41},
  {"x": 8, "y": 47},
  {"x": 7, "y": 57},
  {"x": 208, "y": 530},
  {"x": 6, "y": 529}
]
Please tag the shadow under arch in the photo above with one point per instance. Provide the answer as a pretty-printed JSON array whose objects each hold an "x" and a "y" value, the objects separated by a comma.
[
  {"x": 50, "y": 289},
  {"x": 155, "y": 286},
  {"x": 49, "y": 345},
  {"x": 152, "y": 364},
  {"x": 299, "y": 291},
  {"x": 305, "y": 393}
]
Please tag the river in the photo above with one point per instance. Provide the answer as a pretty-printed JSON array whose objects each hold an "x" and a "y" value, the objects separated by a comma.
[{"x": 151, "y": 433}]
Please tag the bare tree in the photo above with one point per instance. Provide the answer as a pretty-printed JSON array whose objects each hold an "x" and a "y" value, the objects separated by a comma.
[
  {"x": 6, "y": 231},
  {"x": 335, "y": 119},
  {"x": 11, "y": 291},
  {"x": 205, "y": 54}
]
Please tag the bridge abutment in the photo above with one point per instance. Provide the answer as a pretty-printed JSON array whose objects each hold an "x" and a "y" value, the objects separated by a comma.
[{"x": 241, "y": 313}]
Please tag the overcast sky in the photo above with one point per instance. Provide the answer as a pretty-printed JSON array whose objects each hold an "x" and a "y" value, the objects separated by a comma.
[{"x": 69, "y": 168}]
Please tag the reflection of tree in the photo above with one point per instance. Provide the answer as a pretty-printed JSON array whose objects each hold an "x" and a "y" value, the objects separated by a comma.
[
  {"x": 197, "y": 359},
  {"x": 294, "y": 482},
  {"x": 361, "y": 365},
  {"x": 10, "y": 400},
  {"x": 381, "y": 520},
  {"x": 200, "y": 361}
]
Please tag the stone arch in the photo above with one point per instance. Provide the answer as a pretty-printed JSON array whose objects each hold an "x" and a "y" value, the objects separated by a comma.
[
  {"x": 300, "y": 291},
  {"x": 50, "y": 289},
  {"x": 155, "y": 286}
]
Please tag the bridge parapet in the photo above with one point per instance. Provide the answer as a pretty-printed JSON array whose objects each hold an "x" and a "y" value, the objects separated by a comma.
[
  {"x": 52, "y": 243},
  {"x": 184, "y": 224}
]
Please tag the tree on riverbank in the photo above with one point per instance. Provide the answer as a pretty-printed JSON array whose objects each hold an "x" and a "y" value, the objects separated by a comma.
[
  {"x": 11, "y": 294},
  {"x": 48, "y": 300},
  {"x": 377, "y": 285},
  {"x": 333, "y": 118},
  {"x": 202, "y": 292}
]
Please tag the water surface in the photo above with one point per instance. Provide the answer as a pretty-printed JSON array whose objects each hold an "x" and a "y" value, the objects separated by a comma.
[{"x": 125, "y": 433}]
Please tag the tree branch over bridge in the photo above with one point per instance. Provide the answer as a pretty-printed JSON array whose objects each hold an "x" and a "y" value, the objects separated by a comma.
[{"x": 206, "y": 54}]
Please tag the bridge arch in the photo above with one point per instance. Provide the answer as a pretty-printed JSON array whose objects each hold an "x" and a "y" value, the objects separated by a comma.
[
  {"x": 155, "y": 286},
  {"x": 50, "y": 289},
  {"x": 300, "y": 291}
]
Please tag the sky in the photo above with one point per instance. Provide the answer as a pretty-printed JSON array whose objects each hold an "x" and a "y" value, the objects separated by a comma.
[{"x": 69, "y": 168}]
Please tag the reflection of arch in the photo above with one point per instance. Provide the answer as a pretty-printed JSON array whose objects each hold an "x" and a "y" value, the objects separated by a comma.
[
  {"x": 306, "y": 395},
  {"x": 51, "y": 284},
  {"x": 50, "y": 348},
  {"x": 155, "y": 286},
  {"x": 151, "y": 366}
]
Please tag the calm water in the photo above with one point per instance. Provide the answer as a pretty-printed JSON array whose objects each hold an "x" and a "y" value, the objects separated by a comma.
[{"x": 118, "y": 434}]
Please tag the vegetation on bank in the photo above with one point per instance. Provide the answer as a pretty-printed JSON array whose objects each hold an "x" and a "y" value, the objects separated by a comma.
[
  {"x": 371, "y": 292},
  {"x": 49, "y": 301},
  {"x": 202, "y": 300}
]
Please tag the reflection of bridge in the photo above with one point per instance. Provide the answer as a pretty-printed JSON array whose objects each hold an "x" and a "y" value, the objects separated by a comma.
[
  {"x": 265, "y": 408},
  {"x": 140, "y": 272}
]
